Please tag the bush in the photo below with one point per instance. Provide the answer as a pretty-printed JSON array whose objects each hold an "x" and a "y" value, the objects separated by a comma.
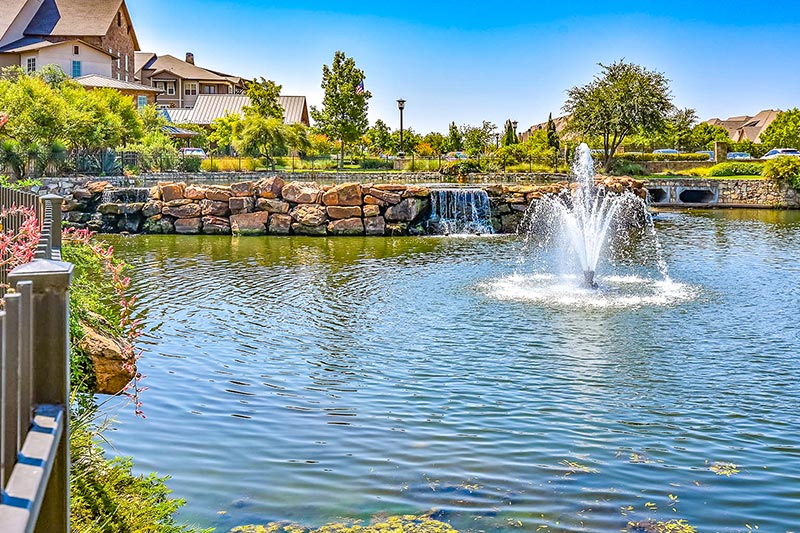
[
  {"x": 783, "y": 168},
  {"x": 191, "y": 164},
  {"x": 621, "y": 167},
  {"x": 662, "y": 157},
  {"x": 736, "y": 169},
  {"x": 462, "y": 167},
  {"x": 376, "y": 164}
]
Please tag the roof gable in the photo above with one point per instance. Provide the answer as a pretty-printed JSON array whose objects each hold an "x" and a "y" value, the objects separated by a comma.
[
  {"x": 9, "y": 11},
  {"x": 78, "y": 18},
  {"x": 182, "y": 69}
]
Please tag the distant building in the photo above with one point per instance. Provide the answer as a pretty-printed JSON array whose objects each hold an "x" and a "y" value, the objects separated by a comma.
[
  {"x": 209, "y": 107},
  {"x": 561, "y": 125},
  {"x": 141, "y": 94},
  {"x": 183, "y": 82},
  {"x": 81, "y": 36},
  {"x": 745, "y": 127}
]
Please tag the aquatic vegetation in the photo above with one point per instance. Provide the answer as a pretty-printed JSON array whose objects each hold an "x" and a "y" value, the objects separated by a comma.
[
  {"x": 577, "y": 468},
  {"x": 724, "y": 469},
  {"x": 651, "y": 526},
  {"x": 392, "y": 524}
]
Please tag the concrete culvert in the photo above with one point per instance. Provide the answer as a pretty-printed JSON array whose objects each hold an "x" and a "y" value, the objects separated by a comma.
[{"x": 697, "y": 196}]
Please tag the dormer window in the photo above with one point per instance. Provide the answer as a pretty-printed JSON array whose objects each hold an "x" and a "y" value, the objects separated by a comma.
[{"x": 76, "y": 50}]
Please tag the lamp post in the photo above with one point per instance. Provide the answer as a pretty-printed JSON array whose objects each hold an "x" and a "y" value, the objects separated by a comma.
[
  {"x": 514, "y": 124},
  {"x": 401, "y": 105}
]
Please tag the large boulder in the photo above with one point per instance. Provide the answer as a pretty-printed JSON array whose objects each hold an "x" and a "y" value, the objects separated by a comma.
[
  {"x": 371, "y": 211},
  {"x": 171, "y": 191},
  {"x": 250, "y": 223},
  {"x": 417, "y": 191},
  {"x": 159, "y": 224},
  {"x": 348, "y": 226},
  {"x": 301, "y": 192},
  {"x": 346, "y": 194},
  {"x": 371, "y": 200},
  {"x": 188, "y": 226},
  {"x": 406, "y": 211},
  {"x": 389, "y": 197},
  {"x": 269, "y": 187},
  {"x": 112, "y": 361},
  {"x": 243, "y": 188},
  {"x": 97, "y": 187},
  {"x": 219, "y": 194},
  {"x": 374, "y": 226},
  {"x": 183, "y": 211},
  {"x": 338, "y": 213},
  {"x": 216, "y": 226},
  {"x": 109, "y": 209},
  {"x": 130, "y": 223},
  {"x": 241, "y": 204},
  {"x": 280, "y": 224},
  {"x": 152, "y": 208},
  {"x": 309, "y": 214},
  {"x": 302, "y": 229},
  {"x": 194, "y": 192},
  {"x": 272, "y": 206},
  {"x": 214, "y": 208}
]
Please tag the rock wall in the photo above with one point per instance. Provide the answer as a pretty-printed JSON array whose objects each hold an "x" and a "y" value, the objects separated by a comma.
[{"x": 724, "y": 193}]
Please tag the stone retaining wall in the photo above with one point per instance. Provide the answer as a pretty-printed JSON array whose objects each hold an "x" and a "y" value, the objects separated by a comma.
[{"x": 724, "y": 193}]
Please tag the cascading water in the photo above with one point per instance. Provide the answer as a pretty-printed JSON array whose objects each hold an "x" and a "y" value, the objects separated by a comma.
[{"x": 460, "y": 212}]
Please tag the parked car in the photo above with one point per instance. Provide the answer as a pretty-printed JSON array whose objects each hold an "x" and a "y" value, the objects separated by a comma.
[
  {"x": 779, "y": 152},
  {"x": 193, "y": 152},
  {"x": 666, "y": 151},
  {"x": 455, "y": 156},
  {"x": 739, "y": 155},
  {"x": 709, "y": 153}
]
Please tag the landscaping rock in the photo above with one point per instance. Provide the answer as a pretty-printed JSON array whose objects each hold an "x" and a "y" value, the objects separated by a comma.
[
  {"x": 371, "y": 200},
  {"x": 395, "y": 187},
  {"x": 97, "y": 187},
  {"x": 309, "y": 215},
  {"x": 130, "y": 209},
  {"x": 406, "y": 211},
  {"x": 346, "y": 194},
  {"x": 385, "y": 196},
  {"x": 250, "y": 223},
  {"x": 171, "y": 191},
  {"x": 188, "y": 226},
  {"x": 269, "y": 188},
  {"x": 152, "y": 208},
  {"x": 371, "y": 211},
  {"x": 396, "y": 230},
  {"x": 158, "y": 225},
  {"x": 240, "y": 204},
  {"x": 374, "y": 226},
  {"x": 302, "y": 229},
  {"x": 242, "y": 189},
  {"x": 183, "y": 211},
  {"x": 348, "y": 226},
  {"x": 109, "y": 209},
  {"x": 155, "y": 192},
  {"x": 194, "y": 192},
  {"x": 337, "y": 213},
  {"x": 280, "y": 224},
  {"x": 218, "y": 194},
  {"x": 113, "y": 370},
  {"x": 416, "y": 191},
  {"x": 272, "y": 206},
  {"x": 130, "y": 223},
  {"x": 81, "y": 194},
  {"x": 510, "y": 223},
  {"x": 301, "y": 192},
  {"x": 216, "y": 226},
  {"x": 78, "y": 217}
]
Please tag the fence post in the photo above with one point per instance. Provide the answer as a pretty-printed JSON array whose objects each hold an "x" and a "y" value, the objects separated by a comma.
[
  {"x": 55, "y": 202},
  {"x": 50, "y": 287}
]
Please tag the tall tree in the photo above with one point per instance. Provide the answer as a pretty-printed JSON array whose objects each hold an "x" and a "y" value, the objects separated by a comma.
[
  {"x": 264, "y": 98},
  {"x": 704, "y": 134},
  {"x": 344, "y": 107},
  {"x": 437, "y": 142},
  {"x": 509, "y": 135},
  {"x": 477, "y": 139},
  {"x": 455, "y": 141},
  {"x": 784, "y": 132},
  {"x": 261, "y": 136},
  {"x": 553, "y": 142},
  {"x": 380, "y": 138},
  {"x": 622, "y": 99}
]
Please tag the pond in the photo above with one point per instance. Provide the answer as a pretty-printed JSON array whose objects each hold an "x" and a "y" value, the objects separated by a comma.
[{"x": 310, "y": 380}]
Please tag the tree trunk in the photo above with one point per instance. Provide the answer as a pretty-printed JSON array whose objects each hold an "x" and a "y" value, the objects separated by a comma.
[{"x": 341, "y": 157}]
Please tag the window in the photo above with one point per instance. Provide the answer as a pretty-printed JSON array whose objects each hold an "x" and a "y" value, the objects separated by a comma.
[
  {"x": 210, "y": 89},
  {"x": 171, "y": 88},
  {"x": 76, "y": 50},
  {"x": 141, "y": 101},
  {"x": 119, "y": 19},
  {"x": 126, "y": 63},
  {"x": 31, "y": 65},
  {"x": 76, "y": 69},
  {"x": 190, "y": 89}
]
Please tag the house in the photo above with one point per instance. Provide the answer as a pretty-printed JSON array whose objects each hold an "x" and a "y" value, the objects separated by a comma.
[
  {"x": 209, "y": 107},
  {"x": 561, "y": 125},
  {"x": 81, "y": 36},
  {"x": 745, "y": 127},
  {"x": 140, "y": 94},
  {"x": 182, "y": 81}
]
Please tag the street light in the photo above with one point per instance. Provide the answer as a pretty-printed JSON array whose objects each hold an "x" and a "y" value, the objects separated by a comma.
[
  {"x": 401, "y": 104},
  {"x": 514, "y": 124}
]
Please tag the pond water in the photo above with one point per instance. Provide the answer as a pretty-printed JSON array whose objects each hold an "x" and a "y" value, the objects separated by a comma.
[{"x": 310, "y": 380}]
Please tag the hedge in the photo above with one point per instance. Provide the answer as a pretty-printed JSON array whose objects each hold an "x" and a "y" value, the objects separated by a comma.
[
  {"x": 736, "y": 169},
  {"x": 662, "y": 157}
]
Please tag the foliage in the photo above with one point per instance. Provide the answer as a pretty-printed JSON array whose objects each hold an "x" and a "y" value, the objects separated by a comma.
[
  {"x": 343, "y": 115},
  {"x": 232, "y": 164},
  {"x": 393, "y": 524},
  {"x": 755, "y": 150},
  {"x": 461, "y": 167},
  {"x": 410, "y": 141},
  {"x": 621, "y": 167},
  {"x": 380, "y": 138},
  {"x": 18, "y": 247},
  {"x": 784, "y": 131},
  {"x": 704, "y": 135},
  {"x": 376, "y": 164},
  {"x": 477, "y": 139},
  {"x": 736, "y": 169},
  {"x": 156, "y": 152},
  {"x": 223, "y": 131},
  {"x": 264, "y": 100},
  {"x": 783, "y": 168},
  {"x": 661, "y": 157},
  {"x": 553, "y": 141},
  {"x": 509, "y": 135},
  {"x": 260, "y": 136},
  {"x": 625, "y": 98},
  {"x": 153, "y": 120},
  {"x": 191, "y": 164},
  {"x": 437, "y": 142},
  {"x": 455, "y": 140}
]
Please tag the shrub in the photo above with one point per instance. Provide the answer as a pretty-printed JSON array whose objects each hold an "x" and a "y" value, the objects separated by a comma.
[
  {"x": 784, "y": 168},
  {"x": 376, "y": 164},
  {"x": 191, "y": 164},
  {"x": 736, "y": 169},
  {"x": 621, "y": 167},
  {"x": 462, "y": 167},
  {"x": 662, "y": 157}
]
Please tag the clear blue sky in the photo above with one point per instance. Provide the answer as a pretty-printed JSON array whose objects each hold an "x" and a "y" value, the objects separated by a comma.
[{"x": 454, "y": 61}]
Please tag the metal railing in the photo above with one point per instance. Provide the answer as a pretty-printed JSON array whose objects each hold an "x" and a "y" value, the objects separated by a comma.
[
  {"x": 13, "y": 221},
  {"x": 34, "y": 387}
]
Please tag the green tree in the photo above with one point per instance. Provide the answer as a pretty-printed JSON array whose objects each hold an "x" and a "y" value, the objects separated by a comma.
[
  {"x": 455, "y": 141},
  {"x": 704, "y": 134},
  {"x": 223, "y": 131},
  {"x": 297, "y": 138},
  {"x": 264, "y": 98},
  {"x": 478, "y": 139},
  {"x": 437, "y": 142},
  {"x": 410, "y": 140},
  {"x": 509, "y": 135},
  {"x": 784, "y": 132},
  {"x": 679, "y": 125},
  {"x": 380, "y": 138},
  {"x": 344, "y": 106},
  {"x": 553, "y": 141},
  {"x": 623, "y": 99},
  {"x": 261, "y": 136}
]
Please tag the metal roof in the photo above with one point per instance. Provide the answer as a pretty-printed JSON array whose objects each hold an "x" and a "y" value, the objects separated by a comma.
[
  {"x": 210, "y": 107},
  {"x": 95, "y": 80}
]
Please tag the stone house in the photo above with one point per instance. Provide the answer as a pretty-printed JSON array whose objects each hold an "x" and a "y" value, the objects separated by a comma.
[
  {"x": 183, "y": 81},
  {"x": 140, "y": 94},
  {"x": 81, "y": 36}
]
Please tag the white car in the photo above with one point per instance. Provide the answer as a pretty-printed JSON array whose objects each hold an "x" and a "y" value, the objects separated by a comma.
[
  {"x": 780, "y": 152},
  {"x": 193, "y": 152}
]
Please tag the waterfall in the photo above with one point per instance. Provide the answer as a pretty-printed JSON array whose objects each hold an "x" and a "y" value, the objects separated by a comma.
[{"x": 460, "y": 211}]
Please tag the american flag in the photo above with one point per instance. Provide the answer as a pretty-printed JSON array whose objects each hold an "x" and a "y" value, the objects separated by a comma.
[{"x": 360, "y": 87}]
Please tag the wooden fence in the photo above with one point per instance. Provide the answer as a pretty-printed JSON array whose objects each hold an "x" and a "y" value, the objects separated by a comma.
[{"x": 34, "y": 384}]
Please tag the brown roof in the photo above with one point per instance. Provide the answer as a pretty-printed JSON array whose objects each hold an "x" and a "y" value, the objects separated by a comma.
[
  {"x": 182, "y": 69},
  {"x": 141, "y": 59},
  {"x": 746, "y": 127},
  {"x": 97, "y": 81},
  {"x": 77, "y": 18},
  {"x": 29, "y": 44},
  {"x": 9, "y": 9}
]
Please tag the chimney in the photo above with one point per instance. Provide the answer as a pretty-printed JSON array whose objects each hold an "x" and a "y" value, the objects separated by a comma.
[{"x": 190, "y": 58}]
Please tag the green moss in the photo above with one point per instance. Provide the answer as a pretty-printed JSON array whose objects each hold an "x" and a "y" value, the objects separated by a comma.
[
  {"x": 651, "y": 526},
  {"x": 392, "y": 524}
]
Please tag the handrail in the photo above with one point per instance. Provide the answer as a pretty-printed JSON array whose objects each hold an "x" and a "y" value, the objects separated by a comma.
[{"x": 34, "y": 385}]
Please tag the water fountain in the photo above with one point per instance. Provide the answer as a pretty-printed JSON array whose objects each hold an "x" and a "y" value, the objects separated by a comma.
[{"x": 460, "y": 212}]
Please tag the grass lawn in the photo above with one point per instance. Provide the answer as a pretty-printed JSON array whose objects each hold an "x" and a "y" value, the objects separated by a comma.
[{"x": 662, "y": 177}]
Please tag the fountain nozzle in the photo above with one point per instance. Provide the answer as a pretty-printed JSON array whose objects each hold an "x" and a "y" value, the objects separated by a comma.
[{"x": 588, "y": 279}]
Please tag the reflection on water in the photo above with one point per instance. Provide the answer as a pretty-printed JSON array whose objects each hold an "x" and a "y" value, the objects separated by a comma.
[{"x": 311, "y": 379}]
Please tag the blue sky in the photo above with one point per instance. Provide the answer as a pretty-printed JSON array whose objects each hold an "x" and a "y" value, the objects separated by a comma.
[{"x": 514, "y": 59}]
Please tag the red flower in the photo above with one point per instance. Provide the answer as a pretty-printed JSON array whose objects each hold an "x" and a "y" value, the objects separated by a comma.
[{"x": 3, "y": 119}]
